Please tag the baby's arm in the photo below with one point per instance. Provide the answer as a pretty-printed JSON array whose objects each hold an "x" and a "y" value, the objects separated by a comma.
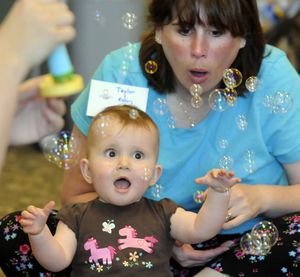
[
  {"x": 190, "y": 227},
  {"x": 53, "y": 252}
]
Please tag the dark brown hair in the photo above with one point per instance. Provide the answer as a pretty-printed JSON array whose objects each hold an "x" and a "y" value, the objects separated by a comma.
[{"x": 239, "y": 17}]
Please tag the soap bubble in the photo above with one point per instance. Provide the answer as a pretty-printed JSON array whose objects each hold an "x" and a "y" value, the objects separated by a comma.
[
  {"x": 196, "y": 101},
  {"x": 61, "y": 149},
  {"x": 232, "y": 77},
  {"x": 266, "y": 229},
  {"x": 242, "y": 122},
  {"x": 260, "y": 240},
  {"x": 282, "y": 102},
  {"x": 129, "y": 53},
  {"x": 124, "y": 67},
  {"x": 231, "y": 97},
  {"x": 160, "y": 106},
  {"x": 199, "y": 196},
  {"x": 151, "y": 67},
  {"x": 223, "y": 143},
  {"x": 217, "y": 100},
  {"x": 226, "y": 162},
  {"x": 172, "y": 122},
  {"x": 156, "y": 190},
  {"x": 249, "y": 161},
  {"x": 133, "y": 113},
  {"x": 102, "y": 125},
  {"x": 147, "y": 174},
  {"x": 99, "y": 17},
  {"x": 196, "y": 89},
  {"x": 252, "y": 83},
  {"x": 129, "y": 20}
]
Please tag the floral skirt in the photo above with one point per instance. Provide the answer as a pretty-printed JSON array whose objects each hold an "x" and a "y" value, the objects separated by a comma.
[
  {"x": 16, "y": 258},
  {"x": 282, "y": 260}
]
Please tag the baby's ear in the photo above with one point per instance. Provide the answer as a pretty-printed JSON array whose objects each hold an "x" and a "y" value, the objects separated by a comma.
[
  {"x": 85, "y": 170},
  {"x": 156, "y": 174}
]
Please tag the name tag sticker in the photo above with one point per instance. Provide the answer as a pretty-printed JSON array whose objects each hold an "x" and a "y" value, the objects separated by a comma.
[{"x": 105, "y": 94}]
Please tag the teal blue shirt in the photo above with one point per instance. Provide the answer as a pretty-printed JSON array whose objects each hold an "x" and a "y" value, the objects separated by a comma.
[{"x": 253, "y": 138}]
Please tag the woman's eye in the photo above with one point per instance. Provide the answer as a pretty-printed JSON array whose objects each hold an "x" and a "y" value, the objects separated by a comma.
[
  {"x": 216, "y": 33},
  {"x": 110, "y": 153},
  {"x": 185, "y": 30},
  {"x": 138, "y": 155}
]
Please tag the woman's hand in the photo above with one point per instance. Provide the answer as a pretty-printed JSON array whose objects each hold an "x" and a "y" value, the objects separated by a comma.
[
  {"x": 33, "y": 28},
  {"x": 246, "y": 202},
  {"x": 35, "y": 117},
  {"x": 186, "y": 256}
]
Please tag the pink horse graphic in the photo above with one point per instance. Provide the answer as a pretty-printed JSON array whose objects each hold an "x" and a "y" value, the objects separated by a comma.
[
  {"x": 132, "y": 241},
  {"x": 106, "y": 254}
]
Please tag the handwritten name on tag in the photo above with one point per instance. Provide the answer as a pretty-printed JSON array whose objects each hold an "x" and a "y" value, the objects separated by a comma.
[{"x": 105, "y": 94}]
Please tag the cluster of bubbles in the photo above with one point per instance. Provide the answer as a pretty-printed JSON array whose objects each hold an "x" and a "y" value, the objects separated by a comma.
[
  {"x": 222, "y": 99},
  {"x": 260, "y": 240},
  {"x": 61, "y": 149},
  {"x": 196, "y": 100}
]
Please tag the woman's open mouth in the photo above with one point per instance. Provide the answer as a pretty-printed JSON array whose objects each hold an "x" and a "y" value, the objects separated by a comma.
[{"x": 198, "y": 76}]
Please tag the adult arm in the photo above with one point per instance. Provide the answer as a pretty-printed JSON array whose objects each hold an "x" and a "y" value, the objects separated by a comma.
[
  {"x": 28, "y": 34},
  {"x": 35, "y": 116},
  {"x": 247, "y": 202}
]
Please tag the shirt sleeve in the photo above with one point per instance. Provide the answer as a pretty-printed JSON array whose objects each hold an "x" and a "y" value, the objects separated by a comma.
[
  {"x": 282, "y": 118},
  {"x": 70, "y": 214}
]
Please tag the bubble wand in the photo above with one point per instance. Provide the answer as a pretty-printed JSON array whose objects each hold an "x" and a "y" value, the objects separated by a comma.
[{"x": 61, "y": 82}]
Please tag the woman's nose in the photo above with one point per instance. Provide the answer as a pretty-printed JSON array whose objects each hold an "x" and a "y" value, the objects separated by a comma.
[{"x": 199, "y": 46}]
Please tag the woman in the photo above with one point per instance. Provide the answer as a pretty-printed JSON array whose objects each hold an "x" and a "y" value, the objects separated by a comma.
[{"x": 255, "y": 133}]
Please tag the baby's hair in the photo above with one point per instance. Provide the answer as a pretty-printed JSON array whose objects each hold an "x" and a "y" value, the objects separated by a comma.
[{"x": 127, "y": 115}]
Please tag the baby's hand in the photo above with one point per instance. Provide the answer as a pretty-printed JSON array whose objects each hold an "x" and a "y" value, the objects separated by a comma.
[
  {"x": 219, "y": 180},
  {"x": 34, "y": 219}
]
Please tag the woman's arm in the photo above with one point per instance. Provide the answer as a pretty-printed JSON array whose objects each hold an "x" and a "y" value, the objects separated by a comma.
[
  {"x": 75, "y": 188},
  {"x": 283, "y": 200},
  {"x": 248, "y": 201}
]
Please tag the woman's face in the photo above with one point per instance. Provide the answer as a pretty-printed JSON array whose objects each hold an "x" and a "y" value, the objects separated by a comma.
[{"x": 198, "y": 55}]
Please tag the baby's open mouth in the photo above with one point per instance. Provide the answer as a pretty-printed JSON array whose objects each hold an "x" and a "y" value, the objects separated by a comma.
[{"x": 122, "y": 183}]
